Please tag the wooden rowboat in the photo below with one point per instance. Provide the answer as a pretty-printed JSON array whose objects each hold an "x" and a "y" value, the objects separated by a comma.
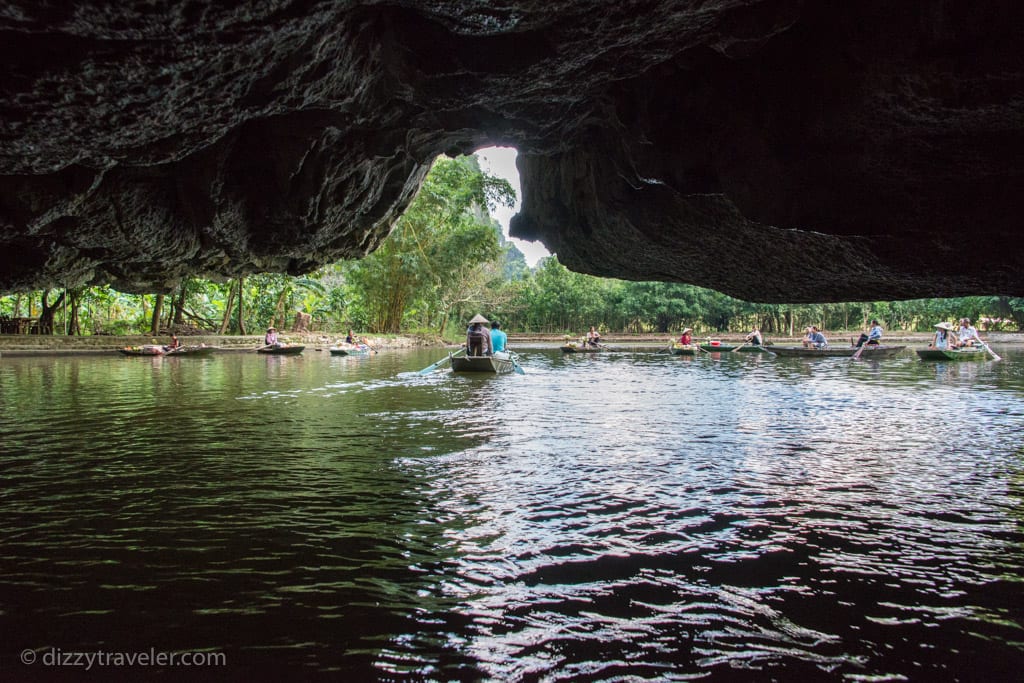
[
  {"x": 146, "y": 350},
  {"x": 967, "y": 353},
  {"x": 353, "y": 350},
  {"x": 282, "y": 349},
  {"x": 684, "y": 349},
  {"x": 871, "y": 351},
  {"x": 715, "y": 347},
  {"x": 573, "y": 347},
  {"x": 192, "y": 351},
  {"x": 498, "y": 364}
]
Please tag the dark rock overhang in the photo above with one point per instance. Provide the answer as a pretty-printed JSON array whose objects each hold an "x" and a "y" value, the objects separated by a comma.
[{"x": 774, "y": 150}]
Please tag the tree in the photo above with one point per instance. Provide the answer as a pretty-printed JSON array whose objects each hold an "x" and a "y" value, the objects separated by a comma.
[{"x": 435, "y": 250}]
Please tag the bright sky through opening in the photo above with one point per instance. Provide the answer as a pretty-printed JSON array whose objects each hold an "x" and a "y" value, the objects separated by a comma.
[{"x": 501, "y": 162}]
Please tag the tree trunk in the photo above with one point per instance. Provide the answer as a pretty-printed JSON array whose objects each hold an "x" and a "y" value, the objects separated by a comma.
[
  {"x": 241, "y": 308},
  {"x": 179, "y": 304},
  {"x": 75, "y": 301},
  {"x": 158, "y": 305},
  {"x": 227, "y": 308},
  {"x": 49, "y": 311},
  {"x": 278, "y": 320}
]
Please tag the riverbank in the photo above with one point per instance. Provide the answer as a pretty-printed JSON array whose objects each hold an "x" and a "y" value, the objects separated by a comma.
[
  {"x": 27, "y": 345},
  {"x": 30, "y": 345}
]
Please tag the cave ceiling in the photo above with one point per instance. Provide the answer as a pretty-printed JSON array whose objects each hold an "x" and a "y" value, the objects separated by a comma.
[{"x": 775, "y": 150}]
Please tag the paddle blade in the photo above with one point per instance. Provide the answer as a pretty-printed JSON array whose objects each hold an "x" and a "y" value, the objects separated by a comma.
[{"x": 430, "y": 368}]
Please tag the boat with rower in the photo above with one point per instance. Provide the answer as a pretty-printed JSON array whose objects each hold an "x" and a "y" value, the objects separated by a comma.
[
  {"x": 956, "y": 355},
  {"x": 144, "y": 350},
  {"x": 350, "y": 350},
  {"x": 499, "y": 363},
  {"x": 577, "y": 347},
  {"x": 718, "y": 346},
  {"x": 678, "y": 349},
  {"x": 870, "y": 351},
  {"x": 281, "y": 349}
]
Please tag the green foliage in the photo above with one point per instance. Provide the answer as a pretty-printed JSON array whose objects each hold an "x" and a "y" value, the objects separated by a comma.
[{"x": 436, "y": 259}]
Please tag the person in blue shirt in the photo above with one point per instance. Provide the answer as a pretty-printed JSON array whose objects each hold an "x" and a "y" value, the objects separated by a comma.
[
  {"x": 873, "y": 337},
  {"x": 815, "y": 338},
  {"x": 498, "y": 337}
]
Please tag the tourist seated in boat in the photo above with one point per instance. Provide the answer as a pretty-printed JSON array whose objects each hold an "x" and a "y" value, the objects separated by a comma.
[
  {"x": 593, "y": 337},
  {"x": 967, "y": 335},
  {"x": 873, "y": 336},
  {"x": 943, "y": 339},
  {"x": 755, "y": 337},
  {"x": 174, "y": 343},
  {"x": 478, "y": 339},
  {"x": 685, "y": 339},
  {"x": 350, "y": 338},
  {"x": 498, "y": 337},
  {"x": 271, "y": 337},
  {"x": 815, "y": 339}
]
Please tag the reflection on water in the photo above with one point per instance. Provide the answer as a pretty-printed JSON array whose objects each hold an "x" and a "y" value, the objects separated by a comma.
[{"x": 617, "y": 516}]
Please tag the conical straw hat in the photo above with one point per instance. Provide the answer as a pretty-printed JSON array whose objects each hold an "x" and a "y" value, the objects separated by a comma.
[{"x": 479, "y": 319}]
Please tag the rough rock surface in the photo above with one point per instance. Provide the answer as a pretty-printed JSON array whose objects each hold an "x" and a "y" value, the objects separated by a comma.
[{"x": 776, "y": 150}]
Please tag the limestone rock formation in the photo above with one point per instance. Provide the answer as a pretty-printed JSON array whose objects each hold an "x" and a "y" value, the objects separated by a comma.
[{"x": 776, "y": 150}]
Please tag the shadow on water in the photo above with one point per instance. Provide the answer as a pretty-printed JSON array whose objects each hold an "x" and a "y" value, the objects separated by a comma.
[{"x": 620, "y": 515}]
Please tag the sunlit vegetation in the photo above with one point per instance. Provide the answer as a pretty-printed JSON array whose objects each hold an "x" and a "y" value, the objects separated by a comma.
[{"x": 445, "y": 260}]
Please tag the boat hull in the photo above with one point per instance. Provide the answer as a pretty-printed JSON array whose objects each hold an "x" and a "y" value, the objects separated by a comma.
[
  {"x": 955, "y": 355},
  {"x": 349, "y": 352},
  {"x": 147, "y": 350},
  {"x": 572, "y": 348},
  {"x": 684, "y": 350},
  {"x": 282, "y": 350},
  {"x": 871, "y": 351},
  {"x": 495, "y": 365},
  {"x": 192, "y": 351},
  {"x": 723, "y": 348}
]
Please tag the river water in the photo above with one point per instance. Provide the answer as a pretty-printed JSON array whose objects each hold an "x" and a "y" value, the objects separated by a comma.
[{"x": 618, "y": 516}]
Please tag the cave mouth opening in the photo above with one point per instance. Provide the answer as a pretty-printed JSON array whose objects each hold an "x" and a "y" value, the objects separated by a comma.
[{"x": 501, "y": 162}]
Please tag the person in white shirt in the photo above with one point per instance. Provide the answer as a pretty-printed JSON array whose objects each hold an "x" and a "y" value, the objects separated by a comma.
[{"x": 967, "y": 335}]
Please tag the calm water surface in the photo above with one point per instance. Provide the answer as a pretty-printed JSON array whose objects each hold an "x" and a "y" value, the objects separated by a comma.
[{"x": 619, "y": 516}]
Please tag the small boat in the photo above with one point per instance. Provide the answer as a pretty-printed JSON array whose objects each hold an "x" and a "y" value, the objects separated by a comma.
[
  {"x": 194, "y": 351},
  {"x": 966, "y": 353},
  {"x": 145, "y": 350},
  {"x": 350, "y": 350},
  {"x": 498, "y": 364},
  {"x": 282, "y": 349},
  {"x": 575, "y": 347},
  {"x": 870, "y": 351},
  {"x": 717, "y": 346},
  {"x": 684, "y": 349}
]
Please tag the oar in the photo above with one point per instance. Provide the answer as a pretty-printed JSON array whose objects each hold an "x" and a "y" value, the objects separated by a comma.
[
  {"x": 367, "y": 342},
  {"x": 515, "y": 363},
  {"x": 740, "y": 346},
  {"x": 667, "y": 348},
  {"x": 856, "y": 356},
  {"x": 988, "y": 348},
  {"x": 446, "y": 359}
]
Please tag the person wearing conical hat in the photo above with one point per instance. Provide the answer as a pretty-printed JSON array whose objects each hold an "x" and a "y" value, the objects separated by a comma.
[
  {"x": 943, "y": 337},
  {"x": 478, "y": 338}
]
